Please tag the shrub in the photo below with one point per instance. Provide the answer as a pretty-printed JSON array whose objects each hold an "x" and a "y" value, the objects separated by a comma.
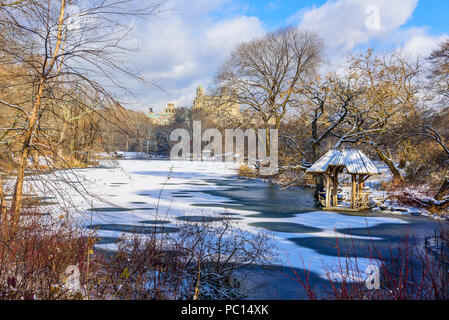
[
  {"x": 407, "y": 272},
  {"x": 198, "y": 262},
  {"x": 247, "y": 171},
  {"x": 34, "y": 262}
]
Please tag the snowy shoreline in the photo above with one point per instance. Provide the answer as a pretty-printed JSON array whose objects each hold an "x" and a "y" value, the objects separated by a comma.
[
  {"x": 130, "y": 193},
  {"x": 377, "y": 197}
]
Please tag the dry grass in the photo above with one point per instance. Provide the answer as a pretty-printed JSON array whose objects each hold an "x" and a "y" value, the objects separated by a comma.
[
  {"x": 407, "y": 272},
  {"x": 199, "y": 261},
  {"x": 247, "y": 171},
  {"x": 33, "y": 263}
]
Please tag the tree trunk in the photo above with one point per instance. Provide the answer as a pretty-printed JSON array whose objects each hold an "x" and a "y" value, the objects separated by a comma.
[
  {"x": 3, "y": 211},
  {"x": 444, "y": 190},
  {"x": 394, "y": 171},
  {"x": 35, "y": 158},
  {"x": 26, "y": 148},
  {"x": 75, "y": 146},
  {"x": 319, "y": 183},
  {"x": 26, "y": 145},
  {"x": 61, "y": 139},
  {"x": 267, "y": 139}
]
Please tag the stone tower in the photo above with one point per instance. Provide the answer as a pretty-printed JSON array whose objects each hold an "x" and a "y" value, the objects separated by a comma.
[
  {"x": 170, "y": 108},
  {"x": 200, "y": 91},
  {"x": 198, "y": 104},
  {"x": 217, "y": 107}
]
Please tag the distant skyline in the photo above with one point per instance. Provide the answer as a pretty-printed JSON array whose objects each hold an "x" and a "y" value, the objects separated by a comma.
[{"x": 182, "y": 48}]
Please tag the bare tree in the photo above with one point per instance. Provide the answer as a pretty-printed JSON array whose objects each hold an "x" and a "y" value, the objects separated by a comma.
[
  {"x": 12, "y": 3},
  {"x": 51, "y": 47},
  {"x": 439, "y": 86},
  {"x": 328, "y": 103},
  {"x": 262, "y": 74},
  {"x": 389, "y": 86},
  {"x": 325, "y": 103},
  {"x": 366, "y": 102},
  {"x": 439, "y": 73},
  {"x": 427, "y": 131}
]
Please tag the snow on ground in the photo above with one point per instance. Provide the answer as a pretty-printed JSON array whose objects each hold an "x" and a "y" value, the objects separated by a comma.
[
  {"x": 378, "y": 197},
  {"x": 156, "y": 189}
]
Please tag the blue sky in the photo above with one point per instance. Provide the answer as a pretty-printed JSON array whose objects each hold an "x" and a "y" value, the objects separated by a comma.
[
  {"x": 433, "y": 14},
  {"x": 185, "y": 45}
]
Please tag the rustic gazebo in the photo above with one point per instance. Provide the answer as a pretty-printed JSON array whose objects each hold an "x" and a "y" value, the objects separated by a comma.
[{"x": 350, "y": 161}]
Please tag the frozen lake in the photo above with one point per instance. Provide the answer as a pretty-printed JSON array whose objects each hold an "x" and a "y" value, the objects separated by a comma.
[{"x": 131, "y": 194}]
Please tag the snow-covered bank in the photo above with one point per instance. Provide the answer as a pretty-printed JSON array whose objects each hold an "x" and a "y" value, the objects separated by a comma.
[
  {"x": 380, "y": 200},
  {"x": 134, "y": 192}
]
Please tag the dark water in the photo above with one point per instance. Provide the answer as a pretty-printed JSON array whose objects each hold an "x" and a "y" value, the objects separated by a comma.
[
  {"x": 268, "y": 202},
  {"x": 143, "y": 229},
  {"x": 267, "y": 199}
]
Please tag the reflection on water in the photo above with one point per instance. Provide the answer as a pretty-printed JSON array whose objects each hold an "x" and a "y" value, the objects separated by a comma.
[
  {"x": 271, "y": 202},
  {"x": 204, "y": 218},
  {"x": 116, "y": 209},
  {"x": 415, "y": 227},
  {"x": 134, "y": 228},
  {"x": 341, "y": 247},
  {"x": 291, "y": 216},
  {"x": 267, "y": 199},
  {"x": 106, "y": 240},
  {"x": 154, "y": 222},
  {"x": 287, "y": 227},
  {"x": 33, "y": 201}
]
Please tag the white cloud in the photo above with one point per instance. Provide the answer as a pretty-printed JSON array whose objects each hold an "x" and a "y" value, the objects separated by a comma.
[
  {"x": 229, "y": 33},
  {"x": 420, "y": 44},
  {"x": 344, "y": 24},
  {"x": 184, "y": 47}
]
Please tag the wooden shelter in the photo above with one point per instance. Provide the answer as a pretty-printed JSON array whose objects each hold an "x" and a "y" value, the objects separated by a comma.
[{"x": 350, "y": 161}]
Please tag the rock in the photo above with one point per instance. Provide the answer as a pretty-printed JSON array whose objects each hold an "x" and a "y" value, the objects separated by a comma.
[{"x": 401, "y": 209}]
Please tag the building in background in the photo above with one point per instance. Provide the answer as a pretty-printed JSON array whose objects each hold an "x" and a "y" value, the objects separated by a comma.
[
  {"x": 217, "y": 108},
  {"x": 163, "y": 118},
  {"x": 222, "y": 109}
]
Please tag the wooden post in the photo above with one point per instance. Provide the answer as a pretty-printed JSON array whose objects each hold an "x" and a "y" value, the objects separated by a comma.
[
  {"x": 354, "y": 191},
  {"x": 361, "y": 182},
  {"x": 360, "y": 190},
  {"x": 335, "y": 187},
  {"x": 328, "y": 191}
]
